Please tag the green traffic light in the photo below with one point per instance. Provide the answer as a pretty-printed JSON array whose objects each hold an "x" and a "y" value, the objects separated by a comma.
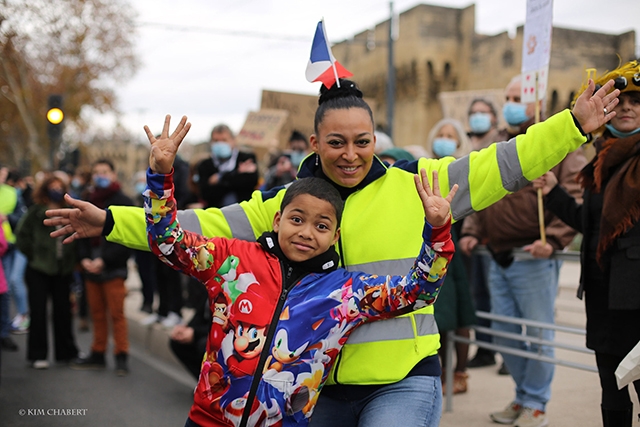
[{"x": 55, "y": 116}]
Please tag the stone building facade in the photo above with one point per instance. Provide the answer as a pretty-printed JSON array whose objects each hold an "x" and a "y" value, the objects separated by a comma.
[{"x": 439, "y": 51}]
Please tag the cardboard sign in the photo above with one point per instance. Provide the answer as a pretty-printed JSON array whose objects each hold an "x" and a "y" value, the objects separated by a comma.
[
  {"x": 455, "y": 105},
  {"x": 261, "y": 129}
]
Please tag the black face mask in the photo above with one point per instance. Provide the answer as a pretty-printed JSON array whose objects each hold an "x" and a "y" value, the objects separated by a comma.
[{"x": 55, "y": 195}]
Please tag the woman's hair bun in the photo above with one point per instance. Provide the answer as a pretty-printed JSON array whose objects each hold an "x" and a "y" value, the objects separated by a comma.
[{"x": 347, "y": 89}]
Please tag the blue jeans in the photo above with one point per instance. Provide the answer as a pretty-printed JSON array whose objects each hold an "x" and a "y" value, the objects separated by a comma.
[
  {"x": 414, "y": 401},
  {"x": 14, "y": 268},
  {"x": 526, "y": 289}
]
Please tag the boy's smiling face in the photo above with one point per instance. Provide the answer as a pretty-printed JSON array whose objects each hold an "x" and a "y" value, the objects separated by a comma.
[{"x": 307, "y": 227}]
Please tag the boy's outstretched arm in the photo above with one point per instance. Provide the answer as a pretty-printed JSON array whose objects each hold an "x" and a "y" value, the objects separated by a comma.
[
  {"x": 395, "y": 295},
  {"x": 165, "y": 148},
  {"x": 83, "y": 219}
]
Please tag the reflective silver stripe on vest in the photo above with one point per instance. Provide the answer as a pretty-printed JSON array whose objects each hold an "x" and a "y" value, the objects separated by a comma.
[
  {"x": 458, "y": 172},
  {"x": 509, "y": 166},
  {"x": 238, "y": 222},
  {"x": 397, "y": 328},
  {"x": 189, "y": 221}
]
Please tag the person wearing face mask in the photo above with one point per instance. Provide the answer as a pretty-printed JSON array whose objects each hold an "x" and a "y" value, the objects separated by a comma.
[
  {"x": 49, "y": 275},
  {"x": 523, "y": 288},
  {"x": 299, "y": 148},
  {"x": 483, "y": 131},
  {"x": 104, "y": 265},
  {"x": 447, "y": 138},
  {"x": 483, "y": 124},
  {"x": 229, "y": 175},
  {"x": 610, "y": 223},
  {"x": 454, "y": 310}
]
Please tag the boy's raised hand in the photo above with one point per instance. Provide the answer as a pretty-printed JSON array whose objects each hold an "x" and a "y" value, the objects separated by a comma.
[
  {"x": 436, "y": 207},
  {"x": 165, "y": 148}
]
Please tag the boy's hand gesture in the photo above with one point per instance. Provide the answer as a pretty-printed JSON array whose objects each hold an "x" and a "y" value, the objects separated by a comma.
[
  {"x": 165, "y": 148},
  {"x": 436, "y": 207}
]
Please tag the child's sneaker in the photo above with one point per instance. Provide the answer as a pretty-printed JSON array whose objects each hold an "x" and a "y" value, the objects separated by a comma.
[
  {"x": 20, "y": 324},
  {"x": 530, "y": 417},
  {"x": 508, "y": 415}
]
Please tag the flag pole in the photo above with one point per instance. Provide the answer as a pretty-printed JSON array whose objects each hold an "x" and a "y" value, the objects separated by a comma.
[
  {"x": 333, "y": 63},
  {"x": 543, "y": 234}
]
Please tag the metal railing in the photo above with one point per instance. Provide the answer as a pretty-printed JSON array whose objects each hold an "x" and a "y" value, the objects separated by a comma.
[{"x": 452, "y": 338}]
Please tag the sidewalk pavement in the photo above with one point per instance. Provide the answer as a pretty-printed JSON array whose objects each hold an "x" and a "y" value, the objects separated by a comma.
[{"x": 575, "y": 398}]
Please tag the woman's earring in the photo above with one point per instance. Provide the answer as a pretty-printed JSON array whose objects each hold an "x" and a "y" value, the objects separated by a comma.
[{"x": 316, "y": 159}]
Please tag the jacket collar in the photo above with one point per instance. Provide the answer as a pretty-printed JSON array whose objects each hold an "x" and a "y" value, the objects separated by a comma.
[
  {"x": 323, "y": 263},
  {"x": 308, "y": 168}
]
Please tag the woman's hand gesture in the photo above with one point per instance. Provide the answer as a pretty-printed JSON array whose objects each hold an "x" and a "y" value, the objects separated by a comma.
[{"x": 593, "y": 110}]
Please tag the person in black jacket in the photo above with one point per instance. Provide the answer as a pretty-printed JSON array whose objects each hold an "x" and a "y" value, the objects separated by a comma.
[
  {"x": 229, "y": 175},
  {"x": 105, "y": 268},
  {"x": 609, "y": 219}
]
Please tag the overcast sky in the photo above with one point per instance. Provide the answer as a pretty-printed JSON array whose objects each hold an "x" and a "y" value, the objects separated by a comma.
[{"x": 211, "y": 59}]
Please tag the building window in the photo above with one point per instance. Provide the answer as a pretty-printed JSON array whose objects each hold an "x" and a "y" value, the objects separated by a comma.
[
  {"x": 554, "y": 101},
  {"x": 571, "y": 96},
  {"x": 507, "y": 58}
]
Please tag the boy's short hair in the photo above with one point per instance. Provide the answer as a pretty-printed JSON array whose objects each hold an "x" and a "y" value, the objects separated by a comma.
[{"x": 316, "y": 187}]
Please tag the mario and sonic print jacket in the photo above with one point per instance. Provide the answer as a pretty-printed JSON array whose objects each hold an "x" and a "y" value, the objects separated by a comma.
[{"x": 278, "y": 326}]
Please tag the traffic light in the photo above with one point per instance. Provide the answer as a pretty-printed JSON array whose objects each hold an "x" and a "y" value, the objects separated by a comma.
[{"x": 55, "y": 116}]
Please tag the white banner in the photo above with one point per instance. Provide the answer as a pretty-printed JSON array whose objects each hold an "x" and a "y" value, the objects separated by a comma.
[
  {"x": 527, "y": 93},
  {"x": 536, "y": 48}
]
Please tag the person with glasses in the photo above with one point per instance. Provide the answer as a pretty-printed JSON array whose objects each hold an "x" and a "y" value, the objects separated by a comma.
[{"x": 609, "y": 219}]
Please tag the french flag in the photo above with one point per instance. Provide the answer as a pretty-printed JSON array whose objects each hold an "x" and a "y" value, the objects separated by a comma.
[{"x": 322, "y": 66}]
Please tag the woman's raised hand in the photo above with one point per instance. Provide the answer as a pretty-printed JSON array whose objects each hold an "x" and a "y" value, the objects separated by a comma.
[
  {"x": 436, "y": 208},
  {"x": 593, "y": 110},
  {"x": 165, "y": 148}
]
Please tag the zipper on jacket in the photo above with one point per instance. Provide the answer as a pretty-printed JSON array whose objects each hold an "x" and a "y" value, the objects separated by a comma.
[{"x": 287, "y": 285}]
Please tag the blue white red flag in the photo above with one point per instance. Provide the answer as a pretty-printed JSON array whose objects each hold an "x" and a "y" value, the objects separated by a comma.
[{"x": 322, "y": 66}]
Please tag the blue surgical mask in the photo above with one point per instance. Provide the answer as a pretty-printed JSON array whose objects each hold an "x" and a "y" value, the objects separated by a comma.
[
  {"x": 101, "y": 181},
  {"x": 75, "y": 183},
  {"x": 297, "y": 157},
  {"x": 140, "y": 187},
  {"x": 55, "y": 195},
  {"x": 480, "y": 122},
  {"x": 615, "y": 132},
  {"x": 515, "y": 113},
  {"x": 443, "y": 147},
  {"x": 221, "y": 150}
]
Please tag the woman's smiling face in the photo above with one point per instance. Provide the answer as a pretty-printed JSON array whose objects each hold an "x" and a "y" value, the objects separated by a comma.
[
  {"x": 627, "y": 117},
  {"x": 345, "y": 143}
]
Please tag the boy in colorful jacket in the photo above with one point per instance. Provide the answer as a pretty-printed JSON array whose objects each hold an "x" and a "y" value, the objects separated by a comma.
[{"x": 282, "y": 309}]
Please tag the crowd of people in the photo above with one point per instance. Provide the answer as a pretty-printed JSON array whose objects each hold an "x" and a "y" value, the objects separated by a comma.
[{"x": 350, "y": 191}]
